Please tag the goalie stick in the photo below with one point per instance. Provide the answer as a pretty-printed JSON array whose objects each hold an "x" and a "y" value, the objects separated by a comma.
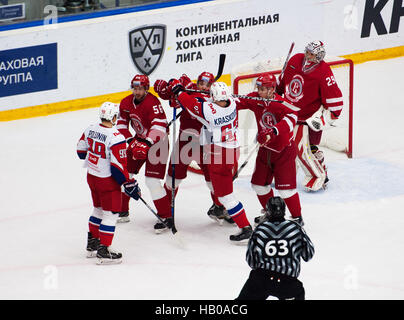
[{"x": 222, "y": 59}]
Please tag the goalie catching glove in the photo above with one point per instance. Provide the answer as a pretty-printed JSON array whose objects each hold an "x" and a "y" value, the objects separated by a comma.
[
  {"x": 321, "y": 120},
  {"x": 132, "y": 189}
]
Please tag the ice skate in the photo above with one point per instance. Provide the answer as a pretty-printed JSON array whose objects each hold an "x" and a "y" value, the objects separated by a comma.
[
  {"x": 106, "y": 255},
  {"x": 243, "y": 236},
  {"x": 219, "y": 214},
  {"x": 160, "y": 227},
  {"x": 92, "y": 246},
  {"x": 123, "y": 217},
  {"x": 261, "y": 218},
  {"x": 298, "y": 220}
]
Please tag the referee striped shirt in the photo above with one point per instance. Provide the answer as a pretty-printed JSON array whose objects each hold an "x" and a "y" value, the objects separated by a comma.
[{"x": 278, "y": 246}]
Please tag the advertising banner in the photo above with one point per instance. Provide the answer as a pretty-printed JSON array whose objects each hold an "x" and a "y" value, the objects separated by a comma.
[{"x": 28, "y": 69}]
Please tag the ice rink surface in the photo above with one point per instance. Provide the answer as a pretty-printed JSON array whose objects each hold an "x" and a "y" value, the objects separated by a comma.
[{"x": 356, "y": 225}]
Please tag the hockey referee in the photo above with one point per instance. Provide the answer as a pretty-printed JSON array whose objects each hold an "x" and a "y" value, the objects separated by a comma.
[{"x": 274, "y": 252}]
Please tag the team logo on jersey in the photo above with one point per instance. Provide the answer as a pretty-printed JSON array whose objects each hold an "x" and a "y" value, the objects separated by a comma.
[
  {"x": 268, "y": 119},
  {"x": 137, "y": 125},
  {"x": 294, "y": 90},
  {"x": 146, "y": 45}
]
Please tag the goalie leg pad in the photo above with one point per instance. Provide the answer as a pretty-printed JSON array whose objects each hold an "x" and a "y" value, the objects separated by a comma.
[{"x": 312, "y": 168}]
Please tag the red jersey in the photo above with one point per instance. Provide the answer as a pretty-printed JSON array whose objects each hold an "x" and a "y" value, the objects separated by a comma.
[
  {"x": 186, "y": 120},
  {"x": 272, "y": 114},
  {"x": 147, "y": 118},
  {"x": 309, "y": 87}
]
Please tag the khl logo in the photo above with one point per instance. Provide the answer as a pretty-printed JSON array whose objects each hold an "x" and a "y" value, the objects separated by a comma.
[{"x": 146, "y": 45}]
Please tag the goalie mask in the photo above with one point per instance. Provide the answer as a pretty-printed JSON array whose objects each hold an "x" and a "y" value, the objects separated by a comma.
[
  {"x": 317, "y": 49},
  {"x": 276, "y": 209},
  {"x": 220, "y": 91},
  {"x": 108, "y": 111}
]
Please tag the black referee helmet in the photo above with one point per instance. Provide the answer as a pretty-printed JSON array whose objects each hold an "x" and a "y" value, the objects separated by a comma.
[{"x": 276, "y": 209}]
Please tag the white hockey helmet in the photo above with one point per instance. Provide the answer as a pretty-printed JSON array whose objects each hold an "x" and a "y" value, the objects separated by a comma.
[
  {"x": 109, "y": 110},
  {"x": 317, "y": 48},
  {"x": 220, "y": 91}
]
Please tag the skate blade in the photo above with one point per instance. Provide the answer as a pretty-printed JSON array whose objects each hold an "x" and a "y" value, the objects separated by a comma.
[
  {"x": 91, "y": 254},
  {"x": 104, "y": 261},
  {"x": 123, "y": 220},
  {"x": 240, "y": 243},
  {"x": 218, "y": 220},
  {"x": 159, "y": 231}
]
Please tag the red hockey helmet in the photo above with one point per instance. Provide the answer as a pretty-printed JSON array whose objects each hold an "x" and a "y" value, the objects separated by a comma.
[
  {"x": 140, "y": 80},
  {"x": 266, "y": 80},
  {"x": 206, "y": 76}
]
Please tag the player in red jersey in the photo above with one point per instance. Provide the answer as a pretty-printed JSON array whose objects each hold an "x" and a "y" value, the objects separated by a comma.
[
  {"x": 188, "y": 148},
  {"x": 104, "y": 150},
  {"x": 276, "y": 158},
  {"x": 144, "y": 113},
  {"x": 308, "y": 82},
  {"x": 221, "y": 147}
]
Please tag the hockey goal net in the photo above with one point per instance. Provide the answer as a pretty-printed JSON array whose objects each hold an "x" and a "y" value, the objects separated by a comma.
[{"x": 337, "y": 138}]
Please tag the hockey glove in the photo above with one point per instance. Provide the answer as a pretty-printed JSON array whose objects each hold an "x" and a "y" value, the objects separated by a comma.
[
  {"x": 266, "y": 135},
  {"x": 132, "y": 189},
  {"x": 161, "y": 87},
  {"x": 175, "y": 86},
  {"x": 186, "y": 81},
  {"x": 139, "y": 149},
  {"x": 174, "y": 103}
]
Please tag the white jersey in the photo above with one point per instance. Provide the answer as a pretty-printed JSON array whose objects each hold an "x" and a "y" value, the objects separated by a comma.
[
  {"x": 103, "y": 148},
  {"x": 220, "y": 124}
]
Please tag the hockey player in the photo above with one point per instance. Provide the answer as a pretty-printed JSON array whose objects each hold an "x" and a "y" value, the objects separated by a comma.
[
  {"x": 221, "y": 147},
  {"x": 188, "y": 148},
  {"x": 274, "y": 252},
  {"x": 309, "y": 83},
  {"x": 104, "y": 150},
  {"x": 144, "y": 113},
  {"x": 276, "y": 158}
]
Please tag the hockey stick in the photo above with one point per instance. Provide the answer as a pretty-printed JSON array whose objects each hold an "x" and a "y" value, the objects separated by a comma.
[
  {"x": 246, "y": 161},
  {"x": 154, "y": 212},
  {"x": 285, "y": 103},
  {"x": 173, "y": 229},
  {"x": 222, "y": 59},
  {"x": 286, "y": 61}
]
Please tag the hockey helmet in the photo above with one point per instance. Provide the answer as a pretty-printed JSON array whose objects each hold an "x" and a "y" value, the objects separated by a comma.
[
  {"x": 317, "y": 48},
  {"x": 140, "y": 80},
  {"x": 109, "y": 110},
  {"x": 276, "y": 209},
  {"x": 220, "y": 91},
  {"x": 207, "y": 77},
  {"x": 266, "y": 80}
]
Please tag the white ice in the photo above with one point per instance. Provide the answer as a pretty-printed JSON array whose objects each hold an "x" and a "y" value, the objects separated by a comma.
[{"x": 356, "y": 225}]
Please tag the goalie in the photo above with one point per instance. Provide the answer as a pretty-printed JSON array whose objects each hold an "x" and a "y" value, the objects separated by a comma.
[{"x": 308, "y": 82}]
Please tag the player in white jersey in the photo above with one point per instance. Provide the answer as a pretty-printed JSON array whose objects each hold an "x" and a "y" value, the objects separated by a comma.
[
  {"x": 221, "y": 147},
  {"x": 103, "y": 149}
]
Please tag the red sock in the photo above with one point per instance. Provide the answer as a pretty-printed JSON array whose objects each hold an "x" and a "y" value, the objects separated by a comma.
[
  {"x": 94, "y": 226},
  {"x": 169, "y": 192},
  {"x": 293, "y": 204},
  {"x": 263, "y": 199},
  {"x": 238, "y": 215},
  {"x": 125, "y": 203},
  {"x": 163, "y": 207},
  {"x": 215, "y": 199}
]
